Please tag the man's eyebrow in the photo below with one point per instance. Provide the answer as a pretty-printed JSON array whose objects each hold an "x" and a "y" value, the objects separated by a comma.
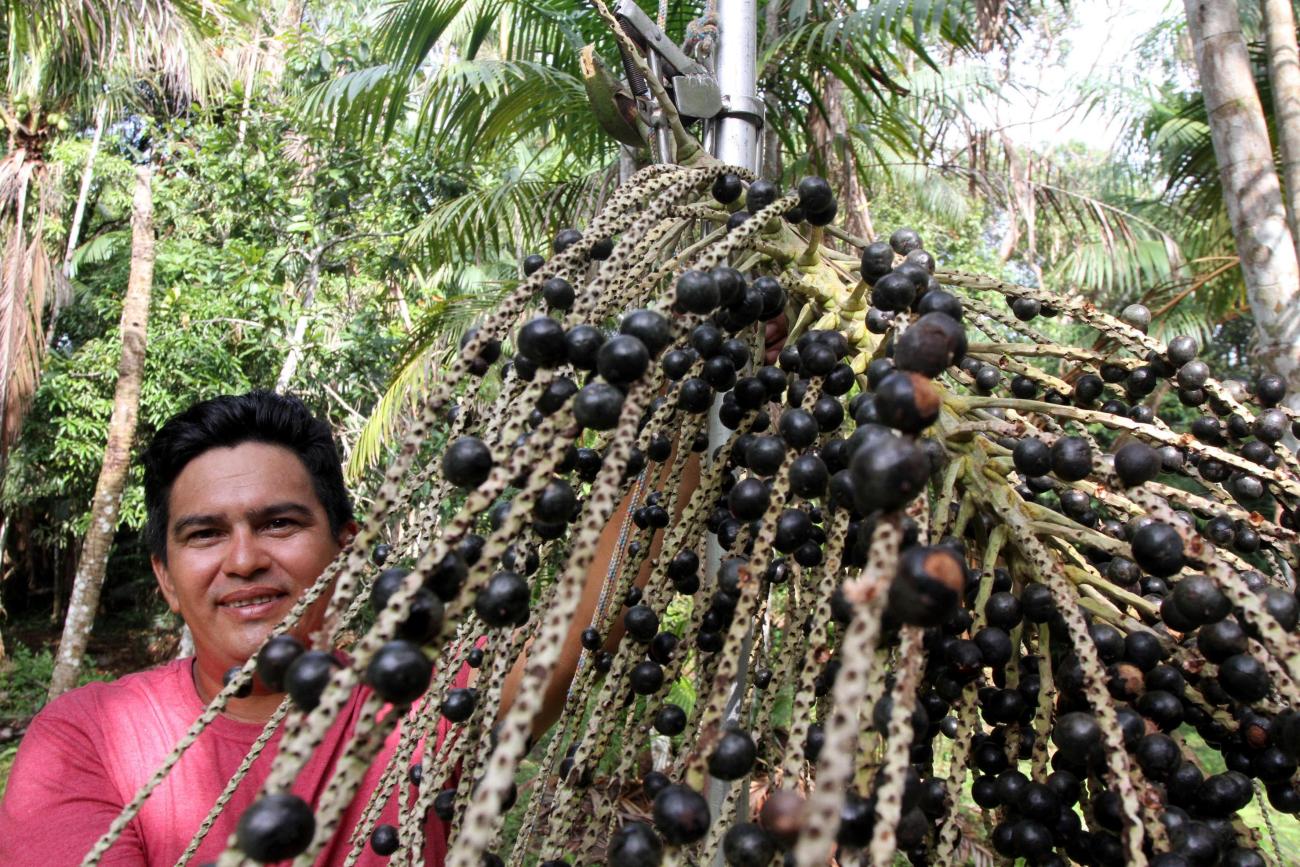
[
  {"x": 266, "y": 513},
  {"x": 188, "y": 521},
  {"x": 276, "y": 509}
]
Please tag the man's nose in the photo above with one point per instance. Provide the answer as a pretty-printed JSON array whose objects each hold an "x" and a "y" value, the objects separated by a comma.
[{"x": 245, "y": 555}]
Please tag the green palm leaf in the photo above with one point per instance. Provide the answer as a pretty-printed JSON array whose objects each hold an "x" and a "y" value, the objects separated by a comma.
[{"x": 517, "y": 214}]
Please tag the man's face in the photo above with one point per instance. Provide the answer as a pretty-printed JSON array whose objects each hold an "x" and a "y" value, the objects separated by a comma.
[{"x": 246, "y": 536}]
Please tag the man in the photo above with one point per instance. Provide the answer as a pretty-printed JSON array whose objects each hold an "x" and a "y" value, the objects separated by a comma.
[{"x": 246, "y": 507}]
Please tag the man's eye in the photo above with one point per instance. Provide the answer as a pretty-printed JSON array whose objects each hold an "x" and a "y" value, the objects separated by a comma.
[
  {"x": 201, "y": 535},
  {"x": 279, "y": 524}
]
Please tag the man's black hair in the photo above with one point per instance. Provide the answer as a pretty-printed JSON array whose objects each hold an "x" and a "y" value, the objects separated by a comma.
[{"x": 229, "y": 421}]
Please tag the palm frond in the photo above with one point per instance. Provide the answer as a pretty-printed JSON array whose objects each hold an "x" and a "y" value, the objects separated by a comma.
[
  {"x": 363, "y": 104},
  {"x": 409, "y": 30},
  {"x": 56, "y": 46},
  {"x": 431, "y": 342},
  {"x": 101, "y": 248},
  {"x": 367, "y": 104},
  {"x": 518, "y": 213},
  {"x": 27, "y": 276},
  {"x": 27, "y": 340},
  {"x": 499, "y": 104}
]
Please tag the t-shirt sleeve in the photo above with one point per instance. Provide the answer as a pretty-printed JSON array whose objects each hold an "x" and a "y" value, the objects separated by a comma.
[{"x": 59, "y": 798}]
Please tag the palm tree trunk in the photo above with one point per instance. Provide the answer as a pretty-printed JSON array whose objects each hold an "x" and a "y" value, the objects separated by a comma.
[
  {"x": 117, "y": 454},
  {"x": 830, "y": 134},
  {"x": 1284, "y": 75},
  {"x": 1251, "y": 190}
]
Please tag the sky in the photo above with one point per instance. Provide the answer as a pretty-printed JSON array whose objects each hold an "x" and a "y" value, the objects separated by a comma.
[{"x": 1099, "y": 47}]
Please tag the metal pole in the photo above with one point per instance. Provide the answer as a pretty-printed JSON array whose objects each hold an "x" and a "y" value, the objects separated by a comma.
[
  {"x": 735, "y": 142},
  {"x": 737, "y": 73},
  {"x": 663, "y": 135}
]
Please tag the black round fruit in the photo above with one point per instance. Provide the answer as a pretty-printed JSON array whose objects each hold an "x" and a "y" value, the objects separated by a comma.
[
  {"x": 681, "y": 815},
  {"x": 727, "y": 188},
  {"x": 760, "y": 194},
  {"x": 815, "y": 194},
  {"x": 641, "y": 623},
  {"x": 1270, "y": 389},
  {"x": 928, "y": 585},
  {"x": 646, "y": 678},
  {"x": 1136, "y": 463},
  {"x": 1158, "y": 549},
  {"x": 558, "y": 293},
  {"x": 808, "y": 476},
  {"x": 765, "y": 455},
  {"x": 1199, "y": 599},
  {"x": 597, "y": 406},
  {"x": 1032, "y": 457},
  {"x": 399, "y": 672},
  {"x": 650, "y": 328},
  {"x": 275, "y": 828},
  {"x": 888, "y": 473},
  {"x": 635, "y": 844},
  {"x": 894, "y": 292},
  {"x": 733, "y": 757},
  {"x": 1071, "y": 459},
  {"x": 1077, "y": 734},
  {"x": 877, "y": 261},
  {"x": 308, "y": 676},
  {"x": 384, "y": 840},
  {"x": 459, "y": 704},
  {"x": 748, "y": 499},
  {"x": 907, "y": 401},
  {"x": 541, "y": 341},
  {"x": 905, "y": 240},
  {"x": 932, "y": 344},
  {"x": 503, "y": 601},
  {"x": 467, "y": 462},
  {"x": 274, "y": 659},
  {"x": 697, "y": 292},
  {"x": 622, "y": 359},
  {"x": 798, "y": 428},
  {"x": 748, "y": 845},
  {"x": 670, "y": 720},
  {"x": 1244, "y": 678}
]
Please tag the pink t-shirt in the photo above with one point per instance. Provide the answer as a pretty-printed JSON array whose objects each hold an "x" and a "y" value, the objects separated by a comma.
[{"x": 87, "y": 753}]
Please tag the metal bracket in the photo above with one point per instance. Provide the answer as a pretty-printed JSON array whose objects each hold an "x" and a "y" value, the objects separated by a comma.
[{"x": 697, "y": 95}]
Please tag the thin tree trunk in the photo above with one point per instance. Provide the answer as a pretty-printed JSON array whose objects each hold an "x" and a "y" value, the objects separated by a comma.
[
  {"x": 1284, "y": 74},
  {"x": 403, "y": 309},
  {"x": 249, "y": 79},
  {"x": 87, "y": 174},
  {"x": 770, "y": 151},
  {"x": 78, "y": 215},
  {"x": 296, "y": 339},
  {"x": 1251, "y": 190},
  {"x": 117, "y": 454}
]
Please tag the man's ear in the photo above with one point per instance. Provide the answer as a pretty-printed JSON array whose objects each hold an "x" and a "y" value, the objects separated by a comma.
[
  {"x": 348, "y": 533},
  {"x": 165, "y": 583}
]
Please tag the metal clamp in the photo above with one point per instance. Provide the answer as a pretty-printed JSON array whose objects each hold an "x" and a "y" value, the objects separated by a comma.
[{"x": 748, "y": 108}]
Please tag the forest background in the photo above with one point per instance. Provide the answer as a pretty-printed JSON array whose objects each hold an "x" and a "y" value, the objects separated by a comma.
[{"x": 337, "y": 190}]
